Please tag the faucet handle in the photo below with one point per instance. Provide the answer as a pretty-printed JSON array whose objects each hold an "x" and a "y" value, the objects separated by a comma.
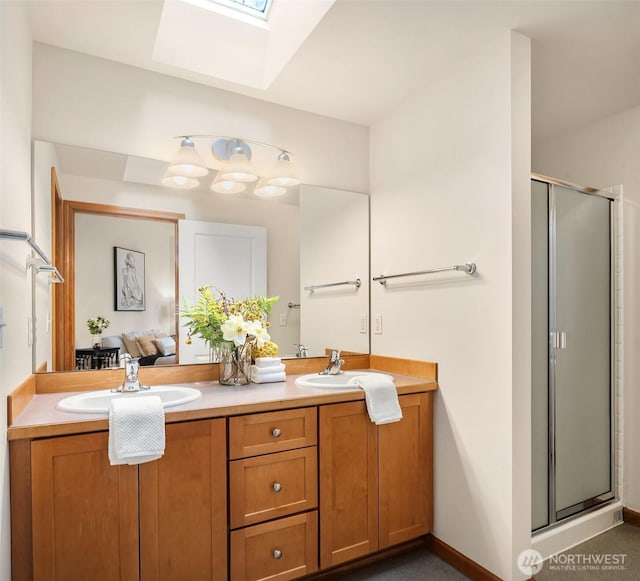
[{"x": 335, "y": 355}]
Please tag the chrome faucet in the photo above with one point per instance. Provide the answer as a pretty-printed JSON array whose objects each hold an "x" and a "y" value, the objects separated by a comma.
[
  {"x": 335, "y": 364},
  {"x": 302, "y": 350},
  {"x": 131, "y": 381}
]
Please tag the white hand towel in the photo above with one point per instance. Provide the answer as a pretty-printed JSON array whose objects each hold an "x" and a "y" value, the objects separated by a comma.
[
  {"x": 136, "y": 429},
  {"x": 257, "y": 377},
  {"x": 271, "y": 369},
  {"x": 380, "y": 396},
  {"x": 268, "y": 361}
]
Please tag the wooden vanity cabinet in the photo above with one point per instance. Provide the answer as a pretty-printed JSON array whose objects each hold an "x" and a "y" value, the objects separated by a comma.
[
  {"x": 376, "y": 482},
  {"x": 160, "y": 520}
]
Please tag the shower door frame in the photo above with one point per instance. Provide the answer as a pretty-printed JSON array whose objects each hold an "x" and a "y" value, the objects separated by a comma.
[{"x": 556, "y": 517}]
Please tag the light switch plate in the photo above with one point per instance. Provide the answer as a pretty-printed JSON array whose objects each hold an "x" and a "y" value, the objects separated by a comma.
[
  {"x": 377, "y": 324},
  {"x": 283, "y": 319},
  {"x": 363, "y": 324},
  {"x": 2, "y": 326}
]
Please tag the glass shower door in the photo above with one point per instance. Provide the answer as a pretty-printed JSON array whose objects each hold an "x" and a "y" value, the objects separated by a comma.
[
  {"x": 580, "y": 350},
  {"x": 571, "y": 356}
]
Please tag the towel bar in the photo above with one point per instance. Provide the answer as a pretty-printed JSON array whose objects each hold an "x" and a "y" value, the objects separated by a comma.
[{"x": 467, "y": 268}]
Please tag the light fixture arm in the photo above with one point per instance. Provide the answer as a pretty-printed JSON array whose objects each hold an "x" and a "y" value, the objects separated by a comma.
[{"x": 235, "y": 139}]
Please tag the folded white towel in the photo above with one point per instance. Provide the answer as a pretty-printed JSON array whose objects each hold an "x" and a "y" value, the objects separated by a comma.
[
  {"x": 380, "y": 396},
  {"x": 257, "y": 377},
  {"x": 268, "y": 361},
  {"x": 136, "y": 429},
  {"x": 271, "y": 369}
]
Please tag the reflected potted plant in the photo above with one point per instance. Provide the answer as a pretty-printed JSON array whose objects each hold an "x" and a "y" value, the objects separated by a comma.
[
  {"x": 230, "y": 328},
  {"x": 97, "y": 325}
]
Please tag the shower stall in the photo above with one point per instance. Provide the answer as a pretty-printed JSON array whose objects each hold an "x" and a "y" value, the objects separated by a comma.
[{"x": 573, "y": 351}]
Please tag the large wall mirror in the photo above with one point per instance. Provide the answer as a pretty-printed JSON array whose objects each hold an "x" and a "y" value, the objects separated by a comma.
[{"x": 315, "y": 237}]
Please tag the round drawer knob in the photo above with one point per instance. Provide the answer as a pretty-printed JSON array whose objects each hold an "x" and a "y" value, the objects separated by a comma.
[
  {"x": 277, "y": 487},
  {"x": 276, "y": 432},
  {"x": 277, "y": 554}
]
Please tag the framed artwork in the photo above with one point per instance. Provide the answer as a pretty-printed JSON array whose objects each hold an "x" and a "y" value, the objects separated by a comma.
[{"x": 128, "y": 274}]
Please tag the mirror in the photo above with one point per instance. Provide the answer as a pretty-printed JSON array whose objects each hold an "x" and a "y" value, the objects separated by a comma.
[{"x": 315, "y": 236}]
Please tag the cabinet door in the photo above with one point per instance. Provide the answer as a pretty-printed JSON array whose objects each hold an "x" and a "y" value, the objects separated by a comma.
[
  {"x": 183, "y": 495},
  {"x": 85, "y": 511},
  {"x": 405, "y": 461},
  {"x": 348, "y": 483}
]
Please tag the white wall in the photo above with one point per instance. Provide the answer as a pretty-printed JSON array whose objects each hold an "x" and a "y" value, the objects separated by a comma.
[
  {"x": 15, "y": 214},
  {"x": 449, "y": 173},
  {"x": 604, "y": 154}
]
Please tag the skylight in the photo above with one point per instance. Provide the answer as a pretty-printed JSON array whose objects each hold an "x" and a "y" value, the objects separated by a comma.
[{"x": 259, "y": 8}]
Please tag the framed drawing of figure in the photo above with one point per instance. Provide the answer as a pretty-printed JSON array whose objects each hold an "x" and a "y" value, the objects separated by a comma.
[{"x": 129, "y": 294}]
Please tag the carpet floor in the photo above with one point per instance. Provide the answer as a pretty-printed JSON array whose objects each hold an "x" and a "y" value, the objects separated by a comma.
[{"x": 611, "y": 556}]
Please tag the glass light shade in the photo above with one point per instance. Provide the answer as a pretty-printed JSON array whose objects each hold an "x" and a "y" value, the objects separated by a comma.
[
  {"x": 282, "y": 173},
  {"x": 221, "y": 186},
  {"x": 238, "y": 169},
  {"x": 180, "y": 182},
  {"x": 266, "y": 190},
  {"x": 188, "y": 162}
]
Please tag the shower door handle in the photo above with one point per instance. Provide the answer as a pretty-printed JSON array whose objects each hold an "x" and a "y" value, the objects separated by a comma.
[
  {"x": 559, "y": 339},
  {"x": 563, "y": 340}
]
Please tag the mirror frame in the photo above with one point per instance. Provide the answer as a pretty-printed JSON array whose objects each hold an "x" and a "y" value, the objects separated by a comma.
[{"x": 64, "y": 328}]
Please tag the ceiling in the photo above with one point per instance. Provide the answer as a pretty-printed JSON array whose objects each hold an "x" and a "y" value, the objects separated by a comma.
[{"x": 364, "y": 57}]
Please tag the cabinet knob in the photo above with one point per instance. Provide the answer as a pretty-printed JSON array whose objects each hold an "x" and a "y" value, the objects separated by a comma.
[
  {"x": 277, "y": 554},
  {"x": 277, "y": 487},
  {"x": 276, "y": 432}
]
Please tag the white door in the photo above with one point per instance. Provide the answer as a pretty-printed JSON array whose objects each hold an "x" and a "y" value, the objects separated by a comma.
[{"x": 229, "y": 257}]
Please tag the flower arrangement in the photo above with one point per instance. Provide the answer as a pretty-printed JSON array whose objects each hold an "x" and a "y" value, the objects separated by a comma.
[
  {"x": 232, "y": 325},
  {"x": 217, "y": 318},
  {"x": 97, "y": 325}
]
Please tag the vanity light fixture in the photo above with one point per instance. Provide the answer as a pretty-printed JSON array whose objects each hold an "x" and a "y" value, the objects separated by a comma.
[
  {"x": 222, "y": 186},
  {"x": 179, "y": 181},
  {"x": 282, "y": 173},
  {"x": 236, "y": 170},
  {"x": 266, "y": 190},
  {"x": 188, "y": 162}
]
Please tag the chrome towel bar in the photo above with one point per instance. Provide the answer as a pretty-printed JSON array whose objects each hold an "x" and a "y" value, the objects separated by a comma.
[
  {"x": 467, "y": 268},
  {"x": 26, "y": 237},
  {"x": 355, "y": 283}
]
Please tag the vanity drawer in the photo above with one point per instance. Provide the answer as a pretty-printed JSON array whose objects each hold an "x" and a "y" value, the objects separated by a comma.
[
  {"x": 280, "y": 549},
  {"x": 272, "y": 486},
  {"x": 256, "y": 434}
]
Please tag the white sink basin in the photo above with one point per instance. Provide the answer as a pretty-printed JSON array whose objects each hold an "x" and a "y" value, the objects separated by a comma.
[
  {"x": 340, "y": 381},
  {"x": 96, "y": 402}
]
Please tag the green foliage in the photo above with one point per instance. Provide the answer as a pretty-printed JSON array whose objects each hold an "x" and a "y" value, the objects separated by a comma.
[{"x": 212, "y": 308}]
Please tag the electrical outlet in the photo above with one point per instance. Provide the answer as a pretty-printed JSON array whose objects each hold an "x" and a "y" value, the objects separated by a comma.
[
  {"x": 377, "y": 324},
  {"x": 283, "y": 319},
  {"x": 363, "y": 323}
]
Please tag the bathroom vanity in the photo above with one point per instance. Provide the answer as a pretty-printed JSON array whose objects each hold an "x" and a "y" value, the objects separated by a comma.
[{"x": 264, "y": 481}]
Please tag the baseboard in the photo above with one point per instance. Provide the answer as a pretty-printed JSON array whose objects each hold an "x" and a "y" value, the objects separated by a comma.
[
  {"x": 631, "y": 516},
  {"x": 459, "y": 561}
]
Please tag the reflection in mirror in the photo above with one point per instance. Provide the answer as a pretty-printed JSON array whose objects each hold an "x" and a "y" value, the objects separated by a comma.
[{"x": 122, "y": 181}]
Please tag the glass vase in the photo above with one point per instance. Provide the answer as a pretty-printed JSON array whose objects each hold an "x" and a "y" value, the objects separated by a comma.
[
  {"x": 96, "y": 341},
  {"x": 235, "y": 364}
]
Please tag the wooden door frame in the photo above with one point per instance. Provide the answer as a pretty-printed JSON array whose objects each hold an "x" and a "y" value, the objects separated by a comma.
[{"x": 65, "y": 302}]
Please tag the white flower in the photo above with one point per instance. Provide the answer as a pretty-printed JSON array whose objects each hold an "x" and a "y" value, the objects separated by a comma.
[
  {"x": 256, "y": 329},
  {"x": 235, "y": 329}
]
